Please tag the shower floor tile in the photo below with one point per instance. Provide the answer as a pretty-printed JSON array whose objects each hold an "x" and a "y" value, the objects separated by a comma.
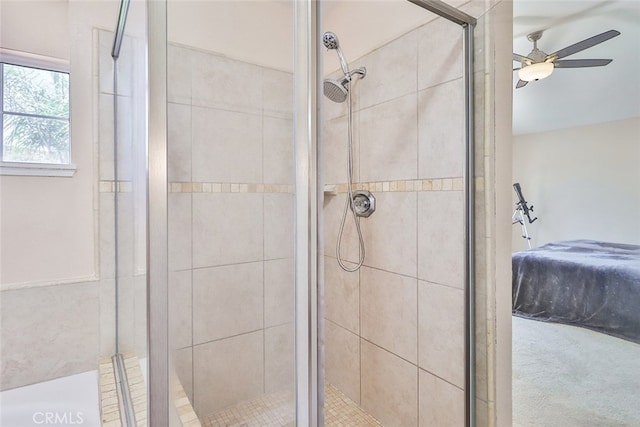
[
  {"x": 340, "y": 411},
  {"x": 276, "y": 410}
]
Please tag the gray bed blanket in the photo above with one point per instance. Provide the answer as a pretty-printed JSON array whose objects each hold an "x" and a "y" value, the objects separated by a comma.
[{"x": 581, "y": 282}]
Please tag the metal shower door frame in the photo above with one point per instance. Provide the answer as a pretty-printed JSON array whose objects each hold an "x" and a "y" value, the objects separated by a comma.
[
  {"x": 467, "y": 23},
  {"x": 308, "y": 262}
]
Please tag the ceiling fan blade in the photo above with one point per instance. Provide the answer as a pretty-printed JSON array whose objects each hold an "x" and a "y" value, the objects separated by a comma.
[
  {"x": 521, "y": 83},
  {"x": 521, "y": 58},
  {"x": 584, "y": 44},
  {"x": 579, "y": 63}
]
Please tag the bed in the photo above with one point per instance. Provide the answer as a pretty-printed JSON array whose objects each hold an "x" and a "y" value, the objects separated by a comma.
[{"x": 580, "y": 282}]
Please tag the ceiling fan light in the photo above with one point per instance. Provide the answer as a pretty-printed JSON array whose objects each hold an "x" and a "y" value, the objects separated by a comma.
[{"x": 540, "y": 70}]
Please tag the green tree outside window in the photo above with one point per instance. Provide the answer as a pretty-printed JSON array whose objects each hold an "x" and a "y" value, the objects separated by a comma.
[{"x": 35, "y": 115}]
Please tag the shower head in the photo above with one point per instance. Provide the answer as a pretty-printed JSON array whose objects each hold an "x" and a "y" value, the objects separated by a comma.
[
  {"x": 337, "y": 90},
  {"x": 330, "y": 41}
]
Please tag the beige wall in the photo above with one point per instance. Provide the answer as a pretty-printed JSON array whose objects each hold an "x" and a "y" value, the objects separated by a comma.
[
  {"x": 48, "y": 224},
  {"x": 584, "y": 182}
]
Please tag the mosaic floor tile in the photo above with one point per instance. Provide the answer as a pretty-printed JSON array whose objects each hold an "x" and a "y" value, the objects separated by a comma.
[{"x": 277, "y": 410}]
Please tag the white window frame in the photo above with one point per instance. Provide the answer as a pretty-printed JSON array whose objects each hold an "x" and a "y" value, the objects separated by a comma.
[{"x": 24, "y": 59}]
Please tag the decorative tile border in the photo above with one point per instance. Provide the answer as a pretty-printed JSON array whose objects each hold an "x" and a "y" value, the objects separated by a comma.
[
  {"x": 219, "y": 187},
  {"x": 411, "y": 185},
  {"x": 116, "y": 186}
]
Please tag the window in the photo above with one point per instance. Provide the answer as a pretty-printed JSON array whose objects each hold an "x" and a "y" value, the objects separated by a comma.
[{"x": 35, "y": 137}]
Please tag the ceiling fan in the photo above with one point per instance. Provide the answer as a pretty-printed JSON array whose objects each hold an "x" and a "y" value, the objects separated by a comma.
[{"x": 539, "y": 65}]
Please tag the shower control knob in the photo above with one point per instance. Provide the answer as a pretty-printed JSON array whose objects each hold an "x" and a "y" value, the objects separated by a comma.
[{"x": 364, "y": 203}]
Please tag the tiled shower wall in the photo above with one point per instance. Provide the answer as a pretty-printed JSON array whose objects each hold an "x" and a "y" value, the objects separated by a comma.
[
  {"x": 230, "y": 227},
  {"x": 395, "y": 329}
]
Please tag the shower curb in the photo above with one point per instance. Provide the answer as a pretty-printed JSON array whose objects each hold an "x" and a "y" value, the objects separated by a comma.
[{"x": 109, "y": 401}]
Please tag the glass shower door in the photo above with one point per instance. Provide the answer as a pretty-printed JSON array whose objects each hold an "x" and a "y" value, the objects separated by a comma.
[{"x": 230, "y": 210}]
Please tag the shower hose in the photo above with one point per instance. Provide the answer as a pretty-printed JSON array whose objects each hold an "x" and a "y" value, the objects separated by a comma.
[{"x": 349, "y": 204}]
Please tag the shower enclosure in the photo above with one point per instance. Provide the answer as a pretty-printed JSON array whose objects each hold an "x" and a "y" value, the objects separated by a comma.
[
  {"x": 220, "y": 183},
  {"x": 259, "y": 313}
]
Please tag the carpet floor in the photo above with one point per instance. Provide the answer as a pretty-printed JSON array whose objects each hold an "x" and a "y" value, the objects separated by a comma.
[{"x": 573, "y": 377}]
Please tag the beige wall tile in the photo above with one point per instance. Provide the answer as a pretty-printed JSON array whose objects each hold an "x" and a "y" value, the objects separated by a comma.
[
  {"x": 179, "y": 66},
  {"x": 126, "y": 314},
  {"x": 342, "y": 360},
  {"x": 227, "y": 301},
  {"x": 441, "y": 130},
  {"x": 277, "y": 93},
  {"x": 105, "y": 136},
  {"x": 278, "y": 150},
  {"x": 441, "y": 237},
  {"x": 105, "y": 61},
  {"x": 179, "y": 218},
  {"x": 227, "y": 372},
  {"x": 107, "y": 303},
  {"x": 180, "y": 310},
  {"x": 439, "y": 39},
  {"x": 482, "y": 413},
  {"x": 441, "y": 403},
  {"x": 278, "y": 292},
  {"x": 48, "y": 332},
  {"x": 278, "y": 226},
  {"x": 279, "y": 355},
  {"x": 441, "y": 331},
  {"x": 391, "y": 71},
  {"x": 219, "y": 82},
  {"x": 333, "y": 211},
  {"x": 235, "y": 219},
  {"x": 390, "y": 233},
  {"x": 179, "y": 142},
  {"x": 183, "y": 366},
  {"x": 107, "y": 237},
  {"x": 226, "y": 147},
  {"x": 389, "y": 387},
  {"x": 388, "y": 140},
  {"x": 140, "y": 315},
  {"x": 335, "y": 143},
  {"x": 341, "y": 296},
  {"x": 389, "y": 312},
  {"x": 126, "y": 234}
]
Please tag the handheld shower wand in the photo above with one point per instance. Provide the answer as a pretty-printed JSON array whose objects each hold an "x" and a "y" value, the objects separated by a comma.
[{"x": 330, "y": 41}]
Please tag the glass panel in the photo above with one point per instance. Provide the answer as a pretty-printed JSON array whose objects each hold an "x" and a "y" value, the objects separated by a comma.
[
  {"x": 122, "y": 137},
  {"x": 34, "y": 91},
  {"x": 33, "y": 139},
  {"x": 395, "y": 329},
  {"x": 231, "y": 278}
]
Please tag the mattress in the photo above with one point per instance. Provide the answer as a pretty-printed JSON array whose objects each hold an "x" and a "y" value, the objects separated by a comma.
[{"x": 580, "y": 282}]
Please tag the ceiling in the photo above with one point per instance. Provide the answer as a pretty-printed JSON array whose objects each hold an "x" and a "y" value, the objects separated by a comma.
[{"x": 577, "y": 97}]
